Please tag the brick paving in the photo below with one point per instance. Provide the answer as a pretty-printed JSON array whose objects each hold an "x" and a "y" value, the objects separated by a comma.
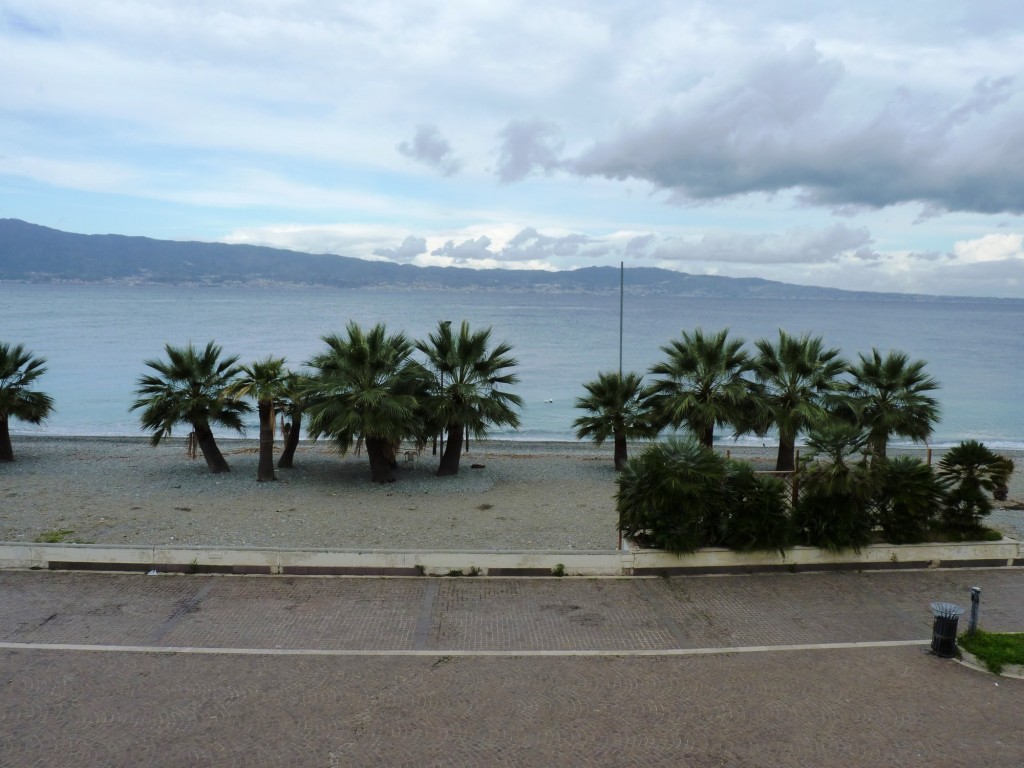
[{"x": 833, "y": 707}]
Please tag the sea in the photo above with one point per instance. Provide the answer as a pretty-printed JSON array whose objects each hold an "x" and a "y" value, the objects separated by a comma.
[{"x": 96, "y": 338}]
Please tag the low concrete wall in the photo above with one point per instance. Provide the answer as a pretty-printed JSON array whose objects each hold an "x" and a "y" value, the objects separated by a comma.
[
  {"x": 987, "y": 553},
  {"x": 168, "y": 559},
  {"x": 628, "y": 561}
]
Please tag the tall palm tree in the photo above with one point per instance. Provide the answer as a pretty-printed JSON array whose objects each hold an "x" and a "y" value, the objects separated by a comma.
[
  {"x": 191, "y": 387},
  {"x": 797, "y": 379},
  {"x": 890, "y": 397},
  {"x": 18, "y": 371},
  {"x": 471, "y": 387},
  {"x": 615, "y": 409},
  {"x": 265, "y": 382},
  {"x": 701, "y": 383},
  {"x": 367, "y": 386}
]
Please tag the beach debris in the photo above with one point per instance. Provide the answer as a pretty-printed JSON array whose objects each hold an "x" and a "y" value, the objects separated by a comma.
[{"x": 477, "y": 466}]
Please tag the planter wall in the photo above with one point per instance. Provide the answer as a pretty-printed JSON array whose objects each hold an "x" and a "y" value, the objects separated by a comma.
[
  {"x": 718, "y": 560},
  {"x": 628, "y": 561}
]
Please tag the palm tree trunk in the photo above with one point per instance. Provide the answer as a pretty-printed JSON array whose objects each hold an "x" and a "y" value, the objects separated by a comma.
[
  {"x": 452, "y": 451},
  {"x": 878, "y": 450},
  {"x": 786, "y": 458},
  {"x": 214, "y": 458},
  {"x": 381, "y": 470},
  {"x": 291, "y": 442},
  {"x": 621, "y": 456},
  {"x": 707, "y": 436},
  {"x": 6, "y": 450},
  {"x": 265, "y": 471}
]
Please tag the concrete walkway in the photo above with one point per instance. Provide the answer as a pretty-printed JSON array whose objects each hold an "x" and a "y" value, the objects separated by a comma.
[{"x": 781, "y": 670}]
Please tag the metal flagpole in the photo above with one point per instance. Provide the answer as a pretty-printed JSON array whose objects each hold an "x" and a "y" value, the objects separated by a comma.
[{"x": 622, "y": 282}]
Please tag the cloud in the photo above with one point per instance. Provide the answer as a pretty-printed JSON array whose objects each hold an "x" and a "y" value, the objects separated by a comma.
[
  {"x": 467, "y": 251},
  {"x": 24, "y": 25},
  {"x": 785, "y": 123},
  {"x": 410, "y": 248},
  {"x": 529, "y": 245},
  {"x": 797, "y": 246},
  {"x": 990, "y": 248},
  {"x": 526, "y": 145},
  {"x": 429, "y": 147}
]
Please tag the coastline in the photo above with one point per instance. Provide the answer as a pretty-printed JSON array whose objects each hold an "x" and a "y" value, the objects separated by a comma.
[{"x": 527, "y": 495}]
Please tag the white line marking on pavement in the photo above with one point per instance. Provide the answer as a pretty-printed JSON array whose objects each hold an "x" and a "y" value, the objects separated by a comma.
[{"x": 452, "y": 652}]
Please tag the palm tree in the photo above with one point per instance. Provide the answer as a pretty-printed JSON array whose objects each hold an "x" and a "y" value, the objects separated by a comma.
[
  {"x": 292, "y": 403},
  {"x": 265, "y": 381},
  {"x": 673, "y": 495},
  {"x": 367, "y": 386},
  {"x": 18, "y": 370},
  {"x": 470, "y": 387},
  {"x": 970, "y": 470},
  {"x": 615, "y": 409},
  {"x": 910, "y": 498},
  {"x": 701, "y": 383},
  {"x": 889, "y": 397},
  {"x": 191, "y": 387},
  {"x": 836, "y": 492},
  {"x": 797, "y": 378}
]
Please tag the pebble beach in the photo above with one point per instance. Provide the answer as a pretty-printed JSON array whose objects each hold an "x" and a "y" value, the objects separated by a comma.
[{"x": 521, "y": 496}]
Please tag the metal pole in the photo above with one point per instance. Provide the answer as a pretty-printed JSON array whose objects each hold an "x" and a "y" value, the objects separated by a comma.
[
  {"x": 975, "y": 606},
  {"x": 622, "y": 284}
]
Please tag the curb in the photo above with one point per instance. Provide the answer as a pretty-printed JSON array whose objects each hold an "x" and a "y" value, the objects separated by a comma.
[{"x": 969, "y": 660}]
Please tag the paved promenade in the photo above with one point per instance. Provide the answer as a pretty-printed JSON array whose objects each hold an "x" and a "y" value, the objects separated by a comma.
[{"x": 826, "y": 669}]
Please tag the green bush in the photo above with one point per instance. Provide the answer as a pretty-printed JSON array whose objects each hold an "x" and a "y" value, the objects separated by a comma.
[
  {"x": 836, "y": 494},
  {"x": 909, "y": 499},
  {"x": 972, "y": 472},
  {"x": 672, "y": 496},
  {"x": 757, "y": 515}
]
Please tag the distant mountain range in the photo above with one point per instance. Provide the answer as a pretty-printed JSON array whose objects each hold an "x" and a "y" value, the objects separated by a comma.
[{"x": 36, "y": 254}]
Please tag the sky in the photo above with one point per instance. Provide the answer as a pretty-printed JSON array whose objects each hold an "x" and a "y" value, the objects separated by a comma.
[{"x": 869, "y": 146}]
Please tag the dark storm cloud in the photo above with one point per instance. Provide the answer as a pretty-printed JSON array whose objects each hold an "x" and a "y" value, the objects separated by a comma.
[
  {"x": 788, "y": 125},
  {"x": 429, "y": 147}
]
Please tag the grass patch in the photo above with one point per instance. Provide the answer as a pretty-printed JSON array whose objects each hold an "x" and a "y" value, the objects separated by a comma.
[
  {"x": 55, "y": 536},
  {"x": 995, "y": 649}
]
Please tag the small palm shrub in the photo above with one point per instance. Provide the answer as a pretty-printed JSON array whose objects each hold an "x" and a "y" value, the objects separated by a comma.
[
  {"x": 757, "y": 516},
  {"x": 672, "y": 496},
  {"x": 972, "y": 472},
  {"x": 909, "y": 500},
  {"x": 834, "y": 511}
]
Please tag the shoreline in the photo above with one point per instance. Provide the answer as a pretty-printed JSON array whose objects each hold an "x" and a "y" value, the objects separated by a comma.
[{"x": 527, "y": 495}]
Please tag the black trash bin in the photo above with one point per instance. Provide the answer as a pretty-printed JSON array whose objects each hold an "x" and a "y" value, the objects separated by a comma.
[{"x": 947, "y": 615}]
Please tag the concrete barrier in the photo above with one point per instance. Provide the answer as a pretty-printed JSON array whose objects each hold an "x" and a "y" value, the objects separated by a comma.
[
  {"x": 875, "y": 556},
  {"x": 630, "y": 560}
]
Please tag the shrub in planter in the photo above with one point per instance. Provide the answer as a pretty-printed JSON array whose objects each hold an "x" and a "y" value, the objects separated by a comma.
[
  {"x": 972, "y": 471},
  {"x": 672, "y": 496},
  {"x": 836, "y": 494},
  {"x": 909, "y": 500},
  {"x": 757, "y": 514}
]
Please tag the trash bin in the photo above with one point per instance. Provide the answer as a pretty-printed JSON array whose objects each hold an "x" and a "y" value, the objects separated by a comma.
[{"x": 946, "y": 616}]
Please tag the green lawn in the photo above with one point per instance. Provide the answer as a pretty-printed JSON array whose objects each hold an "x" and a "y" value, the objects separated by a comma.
[{"x": 995, "y": 649}]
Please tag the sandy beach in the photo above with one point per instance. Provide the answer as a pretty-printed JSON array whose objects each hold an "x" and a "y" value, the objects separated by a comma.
[{"x": 121, "y": 490}]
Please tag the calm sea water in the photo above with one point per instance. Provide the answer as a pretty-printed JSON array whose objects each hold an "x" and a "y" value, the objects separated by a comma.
[{"x": 95, "y": 339}]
